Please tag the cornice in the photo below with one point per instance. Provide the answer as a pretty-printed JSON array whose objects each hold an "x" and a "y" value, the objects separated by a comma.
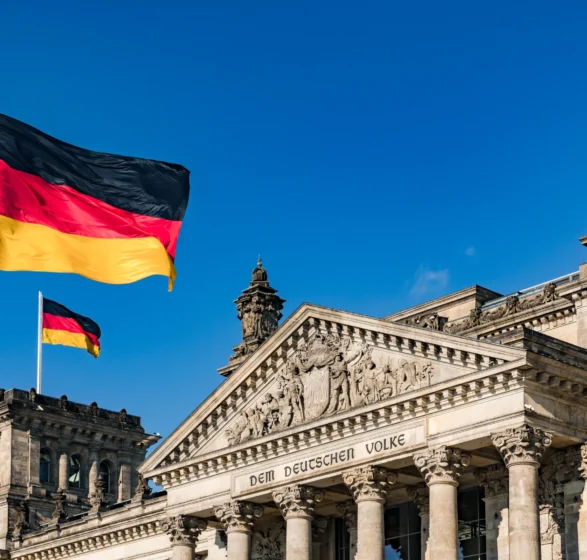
[
  {"x": 260, "y": 368},
  {"x": 414, "y": 405},
  {"x": 85, "y": 536}
]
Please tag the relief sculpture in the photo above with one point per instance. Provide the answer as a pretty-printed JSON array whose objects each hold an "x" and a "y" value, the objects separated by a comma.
[
  {"x": 512, "y": 305},
  {"x": 327, "y": 375}
]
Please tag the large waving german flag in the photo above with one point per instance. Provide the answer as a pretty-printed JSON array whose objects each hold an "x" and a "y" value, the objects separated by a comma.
[
  {"x": 63, "y": 326},
  {"x": 110, "y": 218}
]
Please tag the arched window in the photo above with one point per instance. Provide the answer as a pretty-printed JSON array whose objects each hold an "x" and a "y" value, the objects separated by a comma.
[
  {"x": 45, "y": 466},
  {"x": 105, "y": 476},
  {"x": 75, "y": 471}
]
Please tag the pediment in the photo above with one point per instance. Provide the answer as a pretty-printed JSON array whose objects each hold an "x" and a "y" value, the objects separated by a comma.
[{"x": 322, "y": 363}]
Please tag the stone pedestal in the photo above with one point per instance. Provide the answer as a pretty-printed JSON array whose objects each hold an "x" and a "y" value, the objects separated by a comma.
[
  {"x": 183, "y": 532},
  {"x": 238, "y": 518},
  {"x": 369, "y": 486},
  {"x": 297, "y": 505},
  {"x": 521, "y": 449},
  {"x": 441, "y": 468}
]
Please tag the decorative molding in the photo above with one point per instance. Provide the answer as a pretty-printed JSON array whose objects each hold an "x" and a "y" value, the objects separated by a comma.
[
  {"x": 238, "y": 516},
  {"x": 523, "y": 445},
  {"x": 297, "y": 500},
  {"x": 88, "y": 544},
  {"x": 442, "y": 465},
  {"x": 495, "y": 480},
  {"x": 512, "y": 306},
  {"x": 184, "y": 530},
  {"x": 369, "y": 483}
]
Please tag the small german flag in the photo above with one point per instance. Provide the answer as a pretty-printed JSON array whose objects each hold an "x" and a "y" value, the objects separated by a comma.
[
  {"x": 113, "y": 219},
  {"x": 63, "y": 326}
]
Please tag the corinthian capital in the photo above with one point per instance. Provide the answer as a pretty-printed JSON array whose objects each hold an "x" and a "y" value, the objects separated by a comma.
[
  {"x": 419, "y": 495},
  {"x": 297, "y": 500},
  {"x": 442, "y": 465},
  {"x": 238, "y": 516},
  {"x": 348, "y": 510},
  {"x": 184, "y": 529},
  {"x": 523, "y": 445},
  {"x": 495, "y": 480},
  {"x": 369, "y": 483}
]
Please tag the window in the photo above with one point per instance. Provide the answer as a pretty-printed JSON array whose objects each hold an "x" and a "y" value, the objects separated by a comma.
[
  {"x": 472, "y": 524},
  {"x": 45, "y": 466},
  {"x": 75, "y": 474},
  {"x": 105, "y": 476},
  {"x": 402, "y": 533},
  {"x": 342, "y": 540}
]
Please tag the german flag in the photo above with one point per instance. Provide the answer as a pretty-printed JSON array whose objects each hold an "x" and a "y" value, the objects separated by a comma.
[
  {"x": 63, "y": 326},
  {"x": 113, "y": 219}
]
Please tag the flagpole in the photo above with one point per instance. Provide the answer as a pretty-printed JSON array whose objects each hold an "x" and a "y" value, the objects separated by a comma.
[{"x": 40, "y": 346}]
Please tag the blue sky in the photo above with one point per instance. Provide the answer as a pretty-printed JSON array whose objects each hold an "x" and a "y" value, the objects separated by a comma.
[{"x": 376, "y": 154}]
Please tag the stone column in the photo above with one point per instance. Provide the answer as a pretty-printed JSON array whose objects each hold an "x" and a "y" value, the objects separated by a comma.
[
  {"x": 34, "y": 457},
  {"x": 124, "y": 480},
  {"x": 238, "y": 518},
  {"x": 183, "y": 532},
  {"x": 369, "y": 486},
  {"x": 582, "y": 521},
  {"x": 419, "y": 495},
  {"x": 441, "y": 468},
  {"x": 64, "y": 466},
  {"x": 297, "y": 505},
  {"x": 494, "y": 479},
  {"x": 318, "y": 528},
  {"x": 94, "y": 465},
  {"x": 348, "y": 510},
  {"x": 521, "y": 450}
]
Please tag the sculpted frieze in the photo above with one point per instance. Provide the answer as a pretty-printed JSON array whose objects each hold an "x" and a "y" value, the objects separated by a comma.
[
  {"x": 512, "y": 305},
  {"x": 327, "y": 375}
]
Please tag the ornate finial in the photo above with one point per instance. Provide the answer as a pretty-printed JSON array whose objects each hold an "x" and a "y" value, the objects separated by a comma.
[{"x": 259, "y": 310}]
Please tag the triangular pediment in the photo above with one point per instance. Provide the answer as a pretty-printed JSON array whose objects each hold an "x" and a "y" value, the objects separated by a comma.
[{"x": 322, "y": 363}]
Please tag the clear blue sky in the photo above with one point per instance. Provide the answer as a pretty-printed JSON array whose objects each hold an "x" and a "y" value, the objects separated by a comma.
[{"x": 376, "y": 154}]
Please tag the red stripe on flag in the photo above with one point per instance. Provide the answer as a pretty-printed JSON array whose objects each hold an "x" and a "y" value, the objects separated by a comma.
[
  {"x": 29, "y": 199},
  {"x": 67, "y": 324}
]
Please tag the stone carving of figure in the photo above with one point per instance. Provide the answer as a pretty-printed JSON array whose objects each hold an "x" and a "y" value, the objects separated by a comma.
[
  {"x": 268, "y": 406},
  {"x": 407, "y": 376},
  {"x": 292, "y": 388},
  {"x": 367, "y": 378},
  {"x": 339, "y": 385}
]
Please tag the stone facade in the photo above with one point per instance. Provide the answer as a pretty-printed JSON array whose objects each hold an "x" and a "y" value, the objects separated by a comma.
[
  {"x": 60, "y": 459},
  {"x": 457, "y": 428}
]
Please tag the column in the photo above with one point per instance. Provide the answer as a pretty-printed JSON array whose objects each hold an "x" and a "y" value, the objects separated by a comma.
[
  {"x": 495, "y": 480},
  {"x": 64, "y": 466},
  {"x": 238, "y": 518},
  {"x": 441, "y": 468},
  {"x": 521, "y": 450},
  {"x": 124, "y": 480},
  {"x": 297, "y": 505},
  {"x": 419, "y": 495},
  {"x": 94, "y": 466},
  {"x": 34, "y": 457},
  {"x": 369, "y": 486},
  {"x": 348, "y": 510},
  {"x": 318, "y": 528},
  {"x": 183, "y": 532}
]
